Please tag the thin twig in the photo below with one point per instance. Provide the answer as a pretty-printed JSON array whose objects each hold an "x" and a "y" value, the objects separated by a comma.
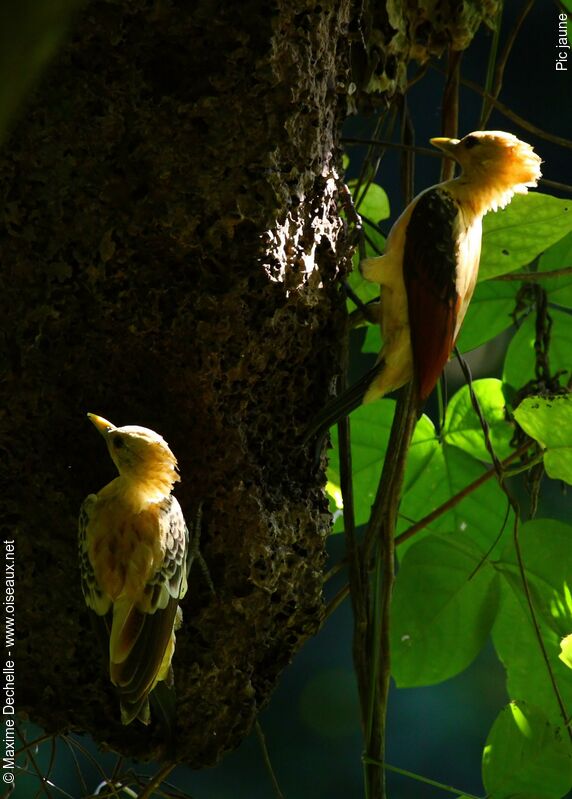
[
  {"x": 379, "y": 541},
  {"x": 334, "y": 570},
  {"x": 76, "y": 744},
  {"x": 528, "y": 276},
  {"x": 538, "y": 631},
  {"x": 425, "y": 780},
  {"x": 508, "y": 113},
  {"x": 30, "y": 744},
  {"x": 357, "y": 573},
  {"x": 76, "y": 763},
  {"x": 393, "y": 145},
  {"x": 341, "y": 595},
  {"x": 267, "y": 762},
  {"x": 485, "y": 108},
  {"x": 524, "y": 579},
  {"x": 452, "y": 501},
  {"x": 407, "y": 170},
  {"x": 554, "y": 184},
  {"x": 36, "y": 768},
  {"x": 337, "y": 600},
  {"x": 371, "y": 161},
  {"x": 421, "y": 72},
  {"x": 450, "y": 107},
  {"x": 157, "y": 780},
  {"x": 503, "y": 60}
]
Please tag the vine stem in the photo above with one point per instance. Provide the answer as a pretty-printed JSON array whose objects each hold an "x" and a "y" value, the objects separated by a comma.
[
  {"x": 343, "y": 592},
  {"x": 520, "y": 560},
  {"x": 425, "y": 780},
  {"x": 267, "y": 762},
  {"x": 454, "y": 500},
  {"x": 527, "y": 276},
  {"x": 379, "y": 544},
  {"x": 161, "y": 775}
]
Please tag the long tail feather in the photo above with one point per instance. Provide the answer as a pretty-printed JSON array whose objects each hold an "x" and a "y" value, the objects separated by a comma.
[
  {"x": 341, "y": 406},
  {"x": 164, "y": 708}
]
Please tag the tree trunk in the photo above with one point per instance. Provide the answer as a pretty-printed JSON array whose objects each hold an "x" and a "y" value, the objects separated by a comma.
[{"x": 171, "y": 241}]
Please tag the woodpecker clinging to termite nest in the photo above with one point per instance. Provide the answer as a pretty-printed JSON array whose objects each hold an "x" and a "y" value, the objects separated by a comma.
[
  {"x": 134, "y": 560},
  {"x": 429, "y": 270}
]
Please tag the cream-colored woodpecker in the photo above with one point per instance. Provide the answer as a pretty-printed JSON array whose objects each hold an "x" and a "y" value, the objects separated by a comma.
[
  {"x": 429, "y": 270},
  {"x": 134, "y": 559}
]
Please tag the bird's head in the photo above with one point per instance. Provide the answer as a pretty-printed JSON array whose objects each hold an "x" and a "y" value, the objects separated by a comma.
[
  {"x": 494, "y": 163},
  {"x": 142, "y": 457}
]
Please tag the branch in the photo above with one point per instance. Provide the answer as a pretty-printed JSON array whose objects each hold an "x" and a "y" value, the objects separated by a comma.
[
  {"x": 341, "y": 595},
  {"x": 161, "y": 775},
  {"x": 503, "y": 60},
  {"x": 452, "y": 501},
  {"x": 357, "y": 573},
  {"x": 528, "y": 276},
  {"x": 395, "y": 145},
  {"x": 506, "y": 111},
  {"x": 379, "y": 542},
  {"x": 267, "y": 762}
]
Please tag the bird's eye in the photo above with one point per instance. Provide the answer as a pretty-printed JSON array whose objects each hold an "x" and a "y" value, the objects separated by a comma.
[
  {"x": 118, "y": 442},
  {"x": 470, "y": 142}
]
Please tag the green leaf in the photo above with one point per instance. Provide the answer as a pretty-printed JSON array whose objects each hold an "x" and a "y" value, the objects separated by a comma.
[
  {"x": 559, "y": 256},
  {"x": 435, "y": 472},
  {"x": 462, "y": 428},
  {"x": 549, "y": 421},
  {"x": 490, "y": 311},
  {"x": 335, "y": 493},
  {"x": 526, "y": 755},
  {"x": 520, "y": 357},
  {"x": 373, "y": 207},
  {"x": 374, "y": 204},
  {"x": 480, "y": 516},
  {"x": 372, "y": 340},
  {"x": 370, "y": 426},
  {"x": 374, "y": 242},
  {"x": 514, "y": 236},
  {"x": 442, "y": 612},
  {"x": 546, "y": 554},
  {"x": 488, "y": 314},
  {"x": 566, "y": 651},
  {"x": 365, "y": 289}
]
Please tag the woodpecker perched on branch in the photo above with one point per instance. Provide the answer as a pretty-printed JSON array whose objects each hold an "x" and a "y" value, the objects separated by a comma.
[
  {"x": 429, "y": 270},
  {"x": 134, "y": 560}
]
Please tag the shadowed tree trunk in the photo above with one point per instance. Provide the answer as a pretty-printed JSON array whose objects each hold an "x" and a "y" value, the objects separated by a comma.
[{"x": 169, "y": 252}]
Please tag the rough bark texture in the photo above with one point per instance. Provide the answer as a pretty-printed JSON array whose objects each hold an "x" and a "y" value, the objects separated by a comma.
[{"x": 170, "y": 215}]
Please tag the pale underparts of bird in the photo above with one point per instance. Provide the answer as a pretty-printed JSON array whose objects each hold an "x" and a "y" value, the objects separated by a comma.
[{"x": 134, "y": 560}]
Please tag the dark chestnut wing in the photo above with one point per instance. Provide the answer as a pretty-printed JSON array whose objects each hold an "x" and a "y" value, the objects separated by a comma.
[{"x": 430, "y": 261}]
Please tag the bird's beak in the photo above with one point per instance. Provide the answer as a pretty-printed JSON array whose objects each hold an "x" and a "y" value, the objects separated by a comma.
[
  {"x": 102, "y": 425},
  {"x": 447, "y": 145}
]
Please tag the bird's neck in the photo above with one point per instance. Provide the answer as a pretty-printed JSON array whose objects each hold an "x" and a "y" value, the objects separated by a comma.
[
  {"x": 137, "y": 493},
  {"x": 482, "y": 193}
]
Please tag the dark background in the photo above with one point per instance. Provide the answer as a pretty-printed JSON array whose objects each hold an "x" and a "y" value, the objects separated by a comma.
[{"x": 312, "y": 723}]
